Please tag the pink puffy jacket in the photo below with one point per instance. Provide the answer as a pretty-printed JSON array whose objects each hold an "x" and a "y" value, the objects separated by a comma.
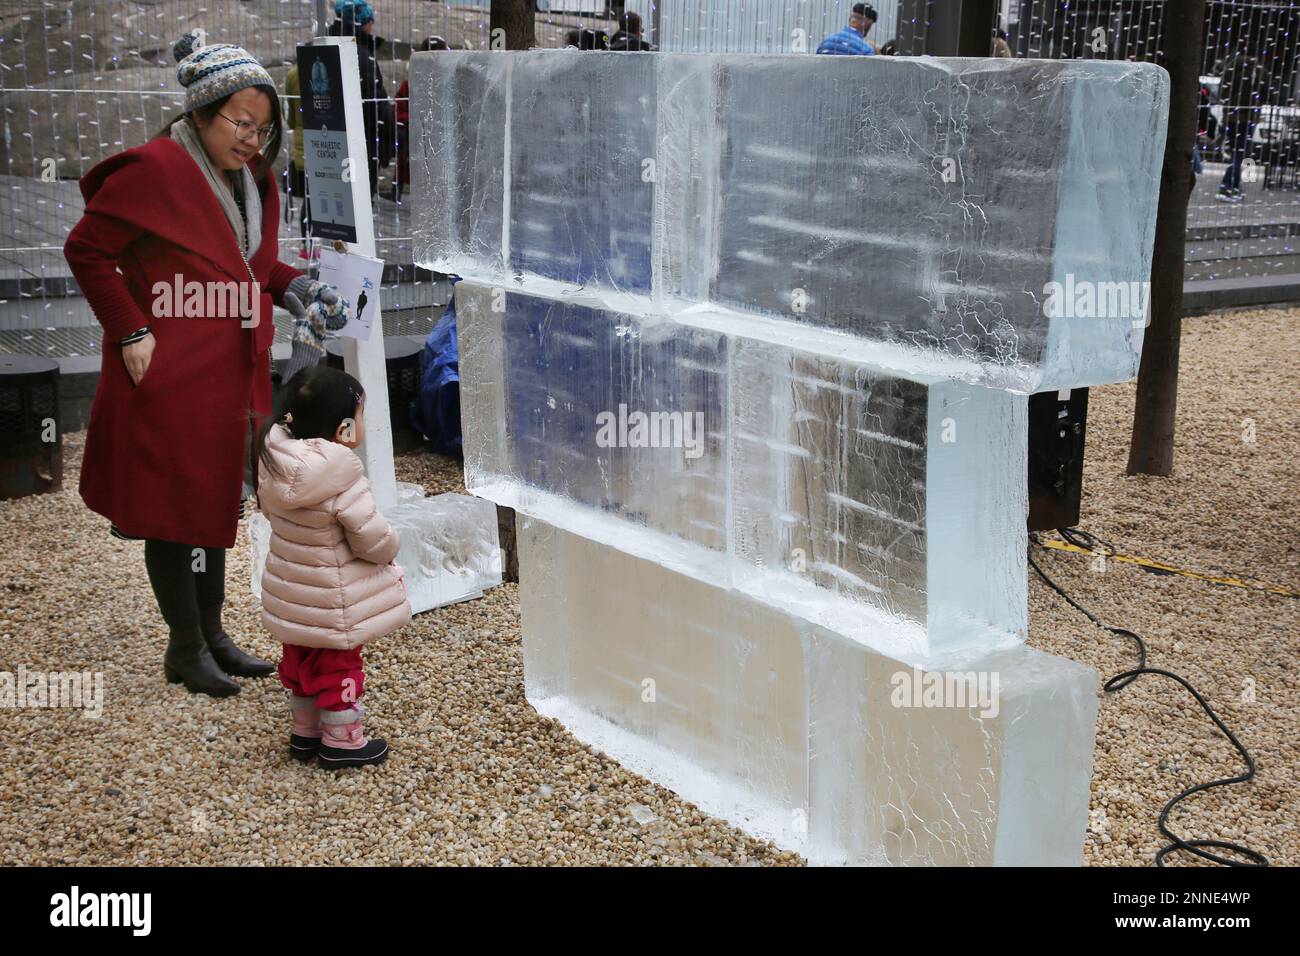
[{"x": 329, "y": 578}]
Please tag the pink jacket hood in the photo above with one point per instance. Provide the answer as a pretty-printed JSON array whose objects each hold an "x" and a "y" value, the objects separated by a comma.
[{"x": 310, "y": 470}]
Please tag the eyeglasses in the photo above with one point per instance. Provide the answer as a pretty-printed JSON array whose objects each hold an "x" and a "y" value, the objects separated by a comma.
[{"x": 244, "y": 130}]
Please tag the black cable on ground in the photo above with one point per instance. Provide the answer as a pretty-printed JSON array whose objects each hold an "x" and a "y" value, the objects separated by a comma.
[
  {"x": 1121, "y": 631},
  {"x": 1122, "y": 680},
  {"x": 1085, "y": 539}
]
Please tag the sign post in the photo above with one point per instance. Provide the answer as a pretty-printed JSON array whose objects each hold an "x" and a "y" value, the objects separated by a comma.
[{"x": 339, "y": 192}]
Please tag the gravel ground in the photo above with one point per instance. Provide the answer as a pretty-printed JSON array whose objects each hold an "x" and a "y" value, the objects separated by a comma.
[
  {"x": 478, "y": 777},
  {"x": 1229, "y": 509}
]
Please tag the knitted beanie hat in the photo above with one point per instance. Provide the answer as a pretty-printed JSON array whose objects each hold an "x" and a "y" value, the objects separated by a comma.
[{"x": 213, "y": 72}]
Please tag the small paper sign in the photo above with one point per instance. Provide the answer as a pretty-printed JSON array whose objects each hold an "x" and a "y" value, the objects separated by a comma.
[{"x": 357, "y": 279}]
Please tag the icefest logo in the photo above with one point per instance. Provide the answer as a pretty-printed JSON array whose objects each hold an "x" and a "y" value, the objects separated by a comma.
[
  {"x": 651, "y": 430},
  {"x": 40, "y": 689},
  {"x": 179, "y": 299},
  {"x": 1085, "y": 299},
  {"x": 75, "y": 908},
  {"x": 961, "y": 689}
]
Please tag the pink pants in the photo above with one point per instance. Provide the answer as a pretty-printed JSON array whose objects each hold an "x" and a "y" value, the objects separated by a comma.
[{"x": 334, "y": 678}]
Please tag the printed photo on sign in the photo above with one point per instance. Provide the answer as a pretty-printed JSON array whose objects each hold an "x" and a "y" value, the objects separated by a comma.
[{"x": 357, "y": 278}]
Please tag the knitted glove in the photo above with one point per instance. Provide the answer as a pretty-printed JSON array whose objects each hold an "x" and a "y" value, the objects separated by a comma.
[
  {"x": 325, "y": 311},
  {"x": 304, "y": 292}
]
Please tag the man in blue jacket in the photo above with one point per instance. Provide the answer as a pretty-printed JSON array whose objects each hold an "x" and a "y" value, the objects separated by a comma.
[{"x": 851, "y": 40}]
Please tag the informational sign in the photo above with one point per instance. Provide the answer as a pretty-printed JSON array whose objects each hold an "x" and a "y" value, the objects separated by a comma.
[
  {"x": 325, "y": 144},
  {"x": 357, "y": 279}
]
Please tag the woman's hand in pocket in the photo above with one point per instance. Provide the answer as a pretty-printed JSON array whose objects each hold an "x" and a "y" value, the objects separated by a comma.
[{"x": 138, "y": 356}]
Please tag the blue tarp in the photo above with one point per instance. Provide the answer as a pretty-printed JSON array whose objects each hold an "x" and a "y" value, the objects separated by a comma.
[{"x": 435, "y": 413}]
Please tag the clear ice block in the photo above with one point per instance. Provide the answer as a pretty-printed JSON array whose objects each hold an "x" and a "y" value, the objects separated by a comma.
[
  {"x": 839, "y": 484},
  {"x": 934, "y": 205},
  {"x": 824, "y": 745},
  {"x": 449, "y": 551},
  {"x": 837, "y": 278}
]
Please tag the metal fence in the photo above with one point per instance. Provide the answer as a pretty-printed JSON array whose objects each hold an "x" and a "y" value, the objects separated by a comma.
[
  {"x": 1244, "y": 214},
  {"x": 83, "y": 79}
]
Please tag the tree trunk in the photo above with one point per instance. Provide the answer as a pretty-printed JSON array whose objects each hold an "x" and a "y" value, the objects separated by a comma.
[
  {"x": 1151, "y": 451},
  {"x": 517, "y": 21}
]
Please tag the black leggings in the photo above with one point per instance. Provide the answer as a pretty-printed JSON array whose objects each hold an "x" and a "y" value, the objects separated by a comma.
[{"x": 182, "y": 592}]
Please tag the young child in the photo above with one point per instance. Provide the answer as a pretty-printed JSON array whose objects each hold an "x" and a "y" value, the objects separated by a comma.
[{"x": 330, "y": 584}]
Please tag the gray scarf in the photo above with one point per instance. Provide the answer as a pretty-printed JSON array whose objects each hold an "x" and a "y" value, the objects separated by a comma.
[{"x": 185, "y": 133}]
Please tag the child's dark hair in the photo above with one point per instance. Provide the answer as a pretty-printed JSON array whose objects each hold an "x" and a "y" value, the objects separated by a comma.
[{"x": 318, "y": 399}]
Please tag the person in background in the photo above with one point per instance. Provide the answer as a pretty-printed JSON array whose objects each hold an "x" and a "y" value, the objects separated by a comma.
[
  {"x": 402, "y": 114},
  {"x": 628, "y": 37},
  {"x": 1239, "y": 91},
  {"x": 587, "y": 39},
  {"x": 851, "y": 41},
  {"x": 357, "y": 19},
  {"x": 593, "y": 40},
  {"x": 1001, "y": 48},
  {"x": 1204, "y": 132}
]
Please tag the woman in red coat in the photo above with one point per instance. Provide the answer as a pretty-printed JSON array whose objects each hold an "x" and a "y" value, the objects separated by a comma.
[{"x": 176, "y": 254}]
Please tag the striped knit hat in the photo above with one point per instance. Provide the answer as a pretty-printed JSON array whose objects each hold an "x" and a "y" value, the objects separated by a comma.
[{"x": 213, "y": 72}]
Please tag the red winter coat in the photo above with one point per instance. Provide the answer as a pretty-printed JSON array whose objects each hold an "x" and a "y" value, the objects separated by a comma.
[{"x": 165, "y": 458}]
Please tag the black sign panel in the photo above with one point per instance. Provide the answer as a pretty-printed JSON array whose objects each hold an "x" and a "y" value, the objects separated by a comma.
[{"x": 325, "y": 144}]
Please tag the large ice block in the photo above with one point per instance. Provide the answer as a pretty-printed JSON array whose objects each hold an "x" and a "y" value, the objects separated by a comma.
[
  {"x": 746, "y": 340},
  {"x": 837, "y": 485},
  {"x": 999, "y": 212},
  {"x": 536, "y": 174},
  {"x": 823, "y": 744}
]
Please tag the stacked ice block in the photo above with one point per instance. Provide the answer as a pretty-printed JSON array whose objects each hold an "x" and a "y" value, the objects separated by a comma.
[
  {"x": 748, "y": 339},
  {"x": 841, "y": 488},
  {"x": 921, "y": 206}
]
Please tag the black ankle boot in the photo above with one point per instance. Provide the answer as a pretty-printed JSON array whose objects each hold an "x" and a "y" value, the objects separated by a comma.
[
  {"x": 229, "y": 657},
  {"x": 188, "y": 661}
]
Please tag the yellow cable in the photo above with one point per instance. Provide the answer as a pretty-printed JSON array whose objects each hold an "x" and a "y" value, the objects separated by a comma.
[{"x": 1170, "y": 569}]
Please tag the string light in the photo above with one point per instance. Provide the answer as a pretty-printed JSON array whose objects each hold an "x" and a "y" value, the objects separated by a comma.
[{"x": 79, "y": 82}]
